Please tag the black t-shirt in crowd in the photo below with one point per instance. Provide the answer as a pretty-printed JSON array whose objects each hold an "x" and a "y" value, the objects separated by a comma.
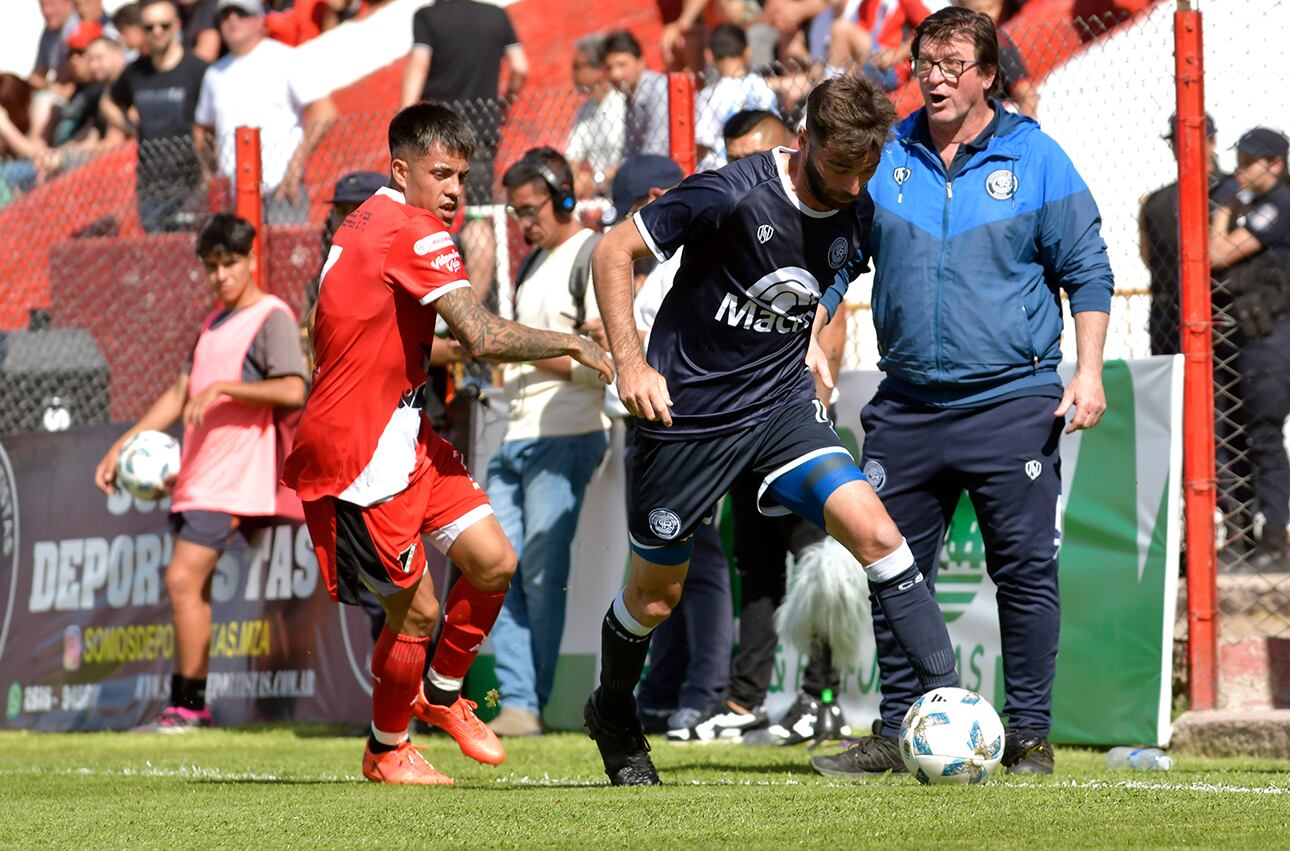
[
  {"x": 467, "y": 40},
  {"x": 1160, "y": 228},
  {"x": 166, "y": 102},
  {"x": 82, "y": 113},
  {"x": 195, "y": 18}
]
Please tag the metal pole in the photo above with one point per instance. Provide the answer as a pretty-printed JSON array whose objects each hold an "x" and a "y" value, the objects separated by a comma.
[
  {"x": 247, "y": 193},
  {"x": 680, "y": 113},
  {"x": 1199, "y": 478}
]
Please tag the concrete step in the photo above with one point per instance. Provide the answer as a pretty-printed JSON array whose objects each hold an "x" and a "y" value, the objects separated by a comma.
[{"x": 1229, "y": 732}]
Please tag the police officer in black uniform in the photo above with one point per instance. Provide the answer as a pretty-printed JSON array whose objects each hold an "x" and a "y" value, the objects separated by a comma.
[
  {"x": 1159, "y": 246},
  {"x": 1250, "y": 253}
]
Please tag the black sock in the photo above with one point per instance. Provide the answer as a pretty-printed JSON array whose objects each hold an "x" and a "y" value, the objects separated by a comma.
[
  {"x": 919, "y": 627},
  {"x": 188, "y": 693},
  {"x": 378, "y": 747},
  {"x": 438, "y": 696},
  {"x": 622, "y": 659}
]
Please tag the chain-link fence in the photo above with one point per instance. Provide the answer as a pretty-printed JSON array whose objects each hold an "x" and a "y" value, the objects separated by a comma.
[{"x": 102, "y": 294}]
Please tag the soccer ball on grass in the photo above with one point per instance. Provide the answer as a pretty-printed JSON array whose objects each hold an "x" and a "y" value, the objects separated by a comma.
[
  {"x": 951, "y": 735},
  {"x": 148, "y": 464}
]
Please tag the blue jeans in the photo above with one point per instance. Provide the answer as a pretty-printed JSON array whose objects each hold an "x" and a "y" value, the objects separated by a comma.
[{"x": 536, "y": 487}]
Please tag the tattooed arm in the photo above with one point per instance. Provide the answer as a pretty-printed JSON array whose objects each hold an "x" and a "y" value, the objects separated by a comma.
[{"x": 485, "y": 335}]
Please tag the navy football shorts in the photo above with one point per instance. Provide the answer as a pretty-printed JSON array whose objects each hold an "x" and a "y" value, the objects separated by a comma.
[{"x": 673, "y": 485}]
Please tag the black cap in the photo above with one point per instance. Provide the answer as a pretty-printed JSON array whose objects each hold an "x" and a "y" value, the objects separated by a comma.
[
  {"x": 357, "y": 186},
  {"x": 1263, "y": 142},
  {"x": 1173, "y": 126},
  {"x": 637, "y": 175}
]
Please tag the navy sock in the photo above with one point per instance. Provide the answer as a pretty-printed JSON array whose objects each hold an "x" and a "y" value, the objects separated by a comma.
[
  {"x": 623, "y": 648},
  {"x": 919, "y": 627}
]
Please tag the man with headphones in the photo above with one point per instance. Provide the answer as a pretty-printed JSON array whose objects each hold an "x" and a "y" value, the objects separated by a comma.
[{"x": 556, "y": 436}]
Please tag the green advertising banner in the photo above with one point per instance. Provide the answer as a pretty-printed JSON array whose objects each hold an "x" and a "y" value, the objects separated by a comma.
[{"x": 1119, "y": 571}]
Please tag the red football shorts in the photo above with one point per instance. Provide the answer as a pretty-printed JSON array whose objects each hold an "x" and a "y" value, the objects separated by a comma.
[{"x": 381, "y": 546}]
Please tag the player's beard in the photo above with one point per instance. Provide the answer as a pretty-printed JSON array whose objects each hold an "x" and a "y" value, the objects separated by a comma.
[{"x": 820, "y": 189}]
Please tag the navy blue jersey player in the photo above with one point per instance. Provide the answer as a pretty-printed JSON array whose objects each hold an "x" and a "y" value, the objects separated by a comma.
[{"x": 728, "y": 386}]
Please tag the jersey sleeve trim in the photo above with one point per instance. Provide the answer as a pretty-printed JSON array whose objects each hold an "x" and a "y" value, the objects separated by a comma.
[
  {"x": 434, "y": 295},
  {"x": 649, "y": 240}
]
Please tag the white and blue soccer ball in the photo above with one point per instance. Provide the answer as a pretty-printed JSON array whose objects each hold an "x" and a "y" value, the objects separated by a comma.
[
  {"x": 148, "y": 464},
  {"x": 951, "y": 735}
]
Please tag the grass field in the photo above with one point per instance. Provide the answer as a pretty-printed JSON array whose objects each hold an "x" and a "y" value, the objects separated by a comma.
[{"x": 301, "y": 787}]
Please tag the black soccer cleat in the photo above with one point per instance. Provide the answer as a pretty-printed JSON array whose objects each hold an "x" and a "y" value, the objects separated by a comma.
[
  {"x": 832, "y": 723},
  {"x": 1025, "y": 752},
  {"x": 623, "y": 748},
  {"x": 872, "y": 755}
]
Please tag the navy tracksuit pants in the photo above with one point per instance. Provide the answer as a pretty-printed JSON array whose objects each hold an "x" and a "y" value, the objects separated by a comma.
[{"x": 1005, "y": 455}]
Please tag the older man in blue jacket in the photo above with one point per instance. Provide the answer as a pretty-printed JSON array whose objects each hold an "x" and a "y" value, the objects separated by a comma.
[{"x": 981, "y": 221}]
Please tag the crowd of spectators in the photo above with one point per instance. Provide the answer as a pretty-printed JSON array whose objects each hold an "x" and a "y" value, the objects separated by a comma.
[
  {"x": 750, "y": 55},
  {"x": 100, "y": 78}
]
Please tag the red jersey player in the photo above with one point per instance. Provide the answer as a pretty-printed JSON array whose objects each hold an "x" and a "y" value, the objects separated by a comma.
[{"x": 374, "y": 476}]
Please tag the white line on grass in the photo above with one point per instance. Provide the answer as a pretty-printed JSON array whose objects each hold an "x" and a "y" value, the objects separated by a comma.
[{"x": 197, "y": 772}]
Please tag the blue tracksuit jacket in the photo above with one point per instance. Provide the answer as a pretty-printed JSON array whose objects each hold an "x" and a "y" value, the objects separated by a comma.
[{"x": 969, "y": 262}]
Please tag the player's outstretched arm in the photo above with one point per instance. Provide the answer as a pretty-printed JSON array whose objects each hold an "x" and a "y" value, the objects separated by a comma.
[
  {"x": 642, "y": 390},
  {"x": 490, "y": 337},
  {"x": 163, "y": 413}
]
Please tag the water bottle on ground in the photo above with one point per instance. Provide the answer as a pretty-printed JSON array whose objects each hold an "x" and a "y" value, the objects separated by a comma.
[{"x": 1138, "y": 759}]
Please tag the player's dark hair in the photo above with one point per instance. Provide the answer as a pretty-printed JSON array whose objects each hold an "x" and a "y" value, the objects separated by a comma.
[
  {"x": 945, "y": 25},
  {"x": 728, "y": 41},
  {"x": 852, "y": 115},
  {"x": 528, "y": 169},
  {"x": 225, "y": 233},
  {"x": 622, "y": 41},
  {"x": 747, "y": 120},
  {"x": 419, "y": 127}
]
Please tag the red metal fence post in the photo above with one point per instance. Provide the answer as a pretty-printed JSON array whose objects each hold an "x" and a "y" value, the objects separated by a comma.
[
  {"x": 680, "y": 113},
  {"x": 247, "y": 192},
  {"x": 1198, "y": 350}
]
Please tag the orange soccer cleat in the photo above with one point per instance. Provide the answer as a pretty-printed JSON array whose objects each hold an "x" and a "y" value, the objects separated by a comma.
[
  {"x": 404, "y": 764},
  {"x": 459, "y": 721}
]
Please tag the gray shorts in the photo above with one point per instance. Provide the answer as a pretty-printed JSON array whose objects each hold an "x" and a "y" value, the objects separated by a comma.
[{"x": 214, "y": 529}]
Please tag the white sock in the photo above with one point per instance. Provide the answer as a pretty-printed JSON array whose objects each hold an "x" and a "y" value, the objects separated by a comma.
[
  {"x": 891, "y": 565},
  {"x": 391, "y": 739},
  {"x": 625, "y": 618}
]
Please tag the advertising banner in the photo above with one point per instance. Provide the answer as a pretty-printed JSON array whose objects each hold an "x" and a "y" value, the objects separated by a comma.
[
  {"x": 87, "y": 640},
  {"x": 87, "y": 636}
]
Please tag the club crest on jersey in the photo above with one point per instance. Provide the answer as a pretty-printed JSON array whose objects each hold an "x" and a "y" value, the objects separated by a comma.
[
  {"x": 764, "y": 233},
  {"x": 900, "y": 175},
  {"x": 875, "y": 473},
  {"x": 1033, "y": 469},
  {"x": 1001, "y": 184},
  {"x": 838, "y": 253},
  {"x": 664, "y": 523}
]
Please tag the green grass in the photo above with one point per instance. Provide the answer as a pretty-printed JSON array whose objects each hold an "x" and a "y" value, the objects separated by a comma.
[{"x": 301, "y": 787}]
